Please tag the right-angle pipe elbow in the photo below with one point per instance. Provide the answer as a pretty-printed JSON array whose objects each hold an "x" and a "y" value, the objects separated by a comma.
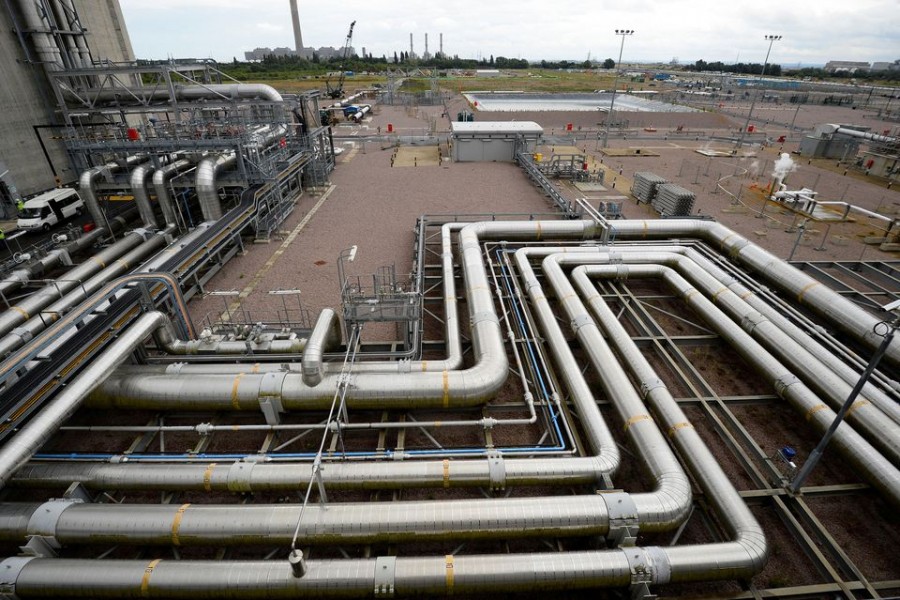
[
  {"x": 207, "y": 188},
  {"x": 139, "y": 177},
  {"x": 325, "y": 335}
]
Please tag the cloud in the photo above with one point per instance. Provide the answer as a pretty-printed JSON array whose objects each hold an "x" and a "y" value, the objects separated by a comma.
[{"x": 814, "y": 31}]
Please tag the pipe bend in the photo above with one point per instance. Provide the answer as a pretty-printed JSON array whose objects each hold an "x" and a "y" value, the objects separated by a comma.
[{"x": 325, "y": 336}]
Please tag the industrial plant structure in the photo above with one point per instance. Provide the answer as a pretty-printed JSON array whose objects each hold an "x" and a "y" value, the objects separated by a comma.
[{"x": 563, "y": 400}]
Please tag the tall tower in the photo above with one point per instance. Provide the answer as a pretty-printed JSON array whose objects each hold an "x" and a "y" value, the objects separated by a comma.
[
  {"x": 426, "y": 56},
  {"x": 441, "y": 44},
  {"x": 295, "y": 19},
  {"x": 412, "y": 54}
]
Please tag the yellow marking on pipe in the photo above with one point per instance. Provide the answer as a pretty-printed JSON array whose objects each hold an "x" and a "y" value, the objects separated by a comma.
[
  {"x": 719, "y": 291},
  {"x": 448, "y": 560},
  {"x": 99, "y": 262},
  {"x": 814, "y": 410},
  {"x": 446, "y": 389},
  {"x": 207, "y": 477},
  {"x": 538, "y": 230},
  {"x": 855, "y": 405},
  {"x": 235, "y": 402},
  {"x": 805, "y": 289},
  {"x": 255, "y": 368},
  {"x": 176, "y": 523},
  {"x": 646, "y": 227},
  {"x": 690, "y": 293},
  {"x": 567, "y": 296},
  {"x": 145, "y": 580},
  {"x": 636, "y": 419},
  {"x": 21, "y": 311},
  {"x": 123, "y": 263},
  {"x": 747, "y": 295},
  {"x": 446, "y": 473},
  {"x": 424, "y": 365},
  {"x": 674, "y": 428}
]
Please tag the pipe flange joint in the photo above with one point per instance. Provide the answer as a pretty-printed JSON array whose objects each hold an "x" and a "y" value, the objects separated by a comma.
[
  {"x": 624, "y": 522},
  {"x": 143, "y": 232},
  {"x": 648, "y": 565},
  {"x": 23, "y": 334},
  {"x": 581, "y": 321},
  {"x": 614, "y": 257},
  {"x": 650, "y": 385},
  {"x": 43, "y": 521},
  {"x": 10, "y": 569},
  {"x": 404, "y": 366},
  {"x": 385, "y": 569},
  {"x": 496, "y": 470},
  {"x": 750, "y": 321},
  {"x": 622, "y": 271},
  {"x": 271, "y": 384},
  {"x": 480, "y": 317},
  {"x": 784, "y": 382},
  {"x": 240, "y": 474}
]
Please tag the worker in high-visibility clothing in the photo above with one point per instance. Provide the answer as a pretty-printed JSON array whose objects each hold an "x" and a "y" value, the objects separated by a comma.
[{"x": 20, "y": 205}]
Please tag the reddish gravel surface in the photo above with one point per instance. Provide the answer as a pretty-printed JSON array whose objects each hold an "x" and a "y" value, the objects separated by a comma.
[{"x": 373, "y": 206}]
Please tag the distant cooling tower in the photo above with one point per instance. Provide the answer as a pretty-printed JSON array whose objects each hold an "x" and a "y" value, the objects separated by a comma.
[{"x": 295, "y": 20}]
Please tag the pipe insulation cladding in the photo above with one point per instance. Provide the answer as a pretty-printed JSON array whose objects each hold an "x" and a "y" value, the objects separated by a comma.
[{"x": 559, "y": 284}]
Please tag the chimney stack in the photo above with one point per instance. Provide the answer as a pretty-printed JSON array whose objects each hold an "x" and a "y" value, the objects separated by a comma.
[
  {"x": 295, "y": 19},
  {"x": 426, "y": 47},
  {"x": 441, "y": 44},
  {"x": 412, "y": 54}
]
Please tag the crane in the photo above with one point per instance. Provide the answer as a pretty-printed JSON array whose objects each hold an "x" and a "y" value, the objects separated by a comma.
[{"x": 338, "y": 90}]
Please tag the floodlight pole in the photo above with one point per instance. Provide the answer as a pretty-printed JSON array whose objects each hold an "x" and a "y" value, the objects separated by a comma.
[
  {"x": 772, "y": 39},
  {"x": 623, "y": 33}
]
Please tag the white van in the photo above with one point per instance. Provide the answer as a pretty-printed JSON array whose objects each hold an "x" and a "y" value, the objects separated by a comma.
[{"x": 47, "y": 209}]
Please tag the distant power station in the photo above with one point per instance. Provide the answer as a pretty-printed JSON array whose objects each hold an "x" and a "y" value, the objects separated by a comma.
[{"x": 299, "y": 49}]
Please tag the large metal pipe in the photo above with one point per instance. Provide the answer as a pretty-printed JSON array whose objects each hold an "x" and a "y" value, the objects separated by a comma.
[
  {"x": 878, "y": 426},
  {"x": 33, "y": 304},
  {"x": 206, "y": 186},
  {"x": 212, "y": 91},
  {"x": 466, "y": 387},
  {"x": 30, "y": 328},
  {"x": 139, "y": 177},
  {"x": 48, "y": 52},
  {"x": 167, "y": 340},
  {"x": 832, "y": 306},
  {"x": 349, "y": 522},
  {"x": 89, "y": 178},
  {"x": 161, "y": 178},
  {"x": 866, "y": 135},
  {"x": 877, "y": 470},
  {"x": 29, "y": 439},
  {"x": 21, "y": 276},
  {"x": 325, "y": 335},
  {"x": 451, "y": 334}
]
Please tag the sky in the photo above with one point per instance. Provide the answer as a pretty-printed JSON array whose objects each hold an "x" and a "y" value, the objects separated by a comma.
[{"x": 814, "y": 31}]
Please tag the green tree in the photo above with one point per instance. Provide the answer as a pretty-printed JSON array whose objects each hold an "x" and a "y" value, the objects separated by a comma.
[{"x": 609, "y": 64}]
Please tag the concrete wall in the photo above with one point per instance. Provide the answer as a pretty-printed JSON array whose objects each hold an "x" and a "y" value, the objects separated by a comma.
[{"x": 26, "y": 100}]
